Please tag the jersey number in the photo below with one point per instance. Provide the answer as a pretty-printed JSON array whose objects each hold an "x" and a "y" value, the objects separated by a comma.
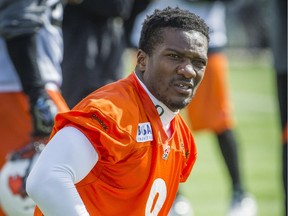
[{"x": 156, "y": 197}]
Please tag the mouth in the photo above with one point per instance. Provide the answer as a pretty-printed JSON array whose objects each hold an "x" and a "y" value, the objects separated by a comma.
[{"x": 184, "y": 87}]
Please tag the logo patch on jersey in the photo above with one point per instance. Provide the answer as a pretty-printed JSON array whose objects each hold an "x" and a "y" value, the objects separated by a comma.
[
  {"x": 166, "y": 149},
  {"x": 104, "y": 126},
  {"x": 144, "y": 133},
  {"x": 160, "y": 110}
]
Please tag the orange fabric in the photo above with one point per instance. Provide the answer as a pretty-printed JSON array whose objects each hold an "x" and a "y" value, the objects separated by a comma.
[
  {"x": 129, "y": 173},
  {"x": 211, "y": 107},
  {"x": 14, "y": 129},
  {"x": 58, "y": 100},
  {"x": 16, "y": 124}
]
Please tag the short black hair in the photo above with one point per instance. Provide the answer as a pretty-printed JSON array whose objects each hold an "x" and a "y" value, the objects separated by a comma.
[{"x": 169, "y": 17}]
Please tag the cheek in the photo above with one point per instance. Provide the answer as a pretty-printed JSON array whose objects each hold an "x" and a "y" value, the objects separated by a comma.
[
  {"x": 200, "y": 76},
  {"x": 158, "y": 85},
  {"x": 161, "y": 80},
  {"x": 159, "y": 74}
]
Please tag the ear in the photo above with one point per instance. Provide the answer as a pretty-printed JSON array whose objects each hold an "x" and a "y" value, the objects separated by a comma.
[{"x": 141, "y": 60}]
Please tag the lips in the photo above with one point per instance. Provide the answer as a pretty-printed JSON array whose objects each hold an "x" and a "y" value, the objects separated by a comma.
[{"x": 183, "y": 87}]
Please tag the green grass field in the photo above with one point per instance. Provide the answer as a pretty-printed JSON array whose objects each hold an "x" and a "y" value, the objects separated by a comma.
[{"x": 256, "y": 111}]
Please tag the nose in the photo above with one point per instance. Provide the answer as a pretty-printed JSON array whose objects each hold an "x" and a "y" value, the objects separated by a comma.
[{"x": 187, "y": 70}]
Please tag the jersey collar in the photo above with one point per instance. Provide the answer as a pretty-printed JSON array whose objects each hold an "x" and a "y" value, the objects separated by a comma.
[{"x": 166, "y": 115}]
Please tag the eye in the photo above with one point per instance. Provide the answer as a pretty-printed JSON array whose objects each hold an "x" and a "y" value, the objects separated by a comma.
[
  {"x": 199, "y": 63},
  {"x": 173, "y": 55}
]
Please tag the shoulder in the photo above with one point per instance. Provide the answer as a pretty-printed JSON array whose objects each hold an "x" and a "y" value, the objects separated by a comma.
[
  {"x": 113, "y": 109},
  {"x": 184, "y": 132},
  {"x": 118, "y": 101}
]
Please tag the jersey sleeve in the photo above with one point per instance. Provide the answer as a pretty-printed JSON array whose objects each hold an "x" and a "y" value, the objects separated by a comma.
[{"x": 111, "y": 141}]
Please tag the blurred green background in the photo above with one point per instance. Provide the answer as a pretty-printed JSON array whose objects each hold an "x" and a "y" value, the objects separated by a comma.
[{"x": 252, "y": 84}]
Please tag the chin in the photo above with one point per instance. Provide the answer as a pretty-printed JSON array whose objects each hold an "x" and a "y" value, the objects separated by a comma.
[{"x": 179, "y": 105}]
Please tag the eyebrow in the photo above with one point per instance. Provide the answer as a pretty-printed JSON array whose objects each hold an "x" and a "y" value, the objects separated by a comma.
[{"x": 183, "y": 53}]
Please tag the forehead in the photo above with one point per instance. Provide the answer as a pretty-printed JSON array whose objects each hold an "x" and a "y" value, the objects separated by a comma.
[{"x": 183, "y": 39}]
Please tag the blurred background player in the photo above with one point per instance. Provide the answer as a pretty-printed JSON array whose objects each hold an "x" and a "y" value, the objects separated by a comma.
[
  {"x": 211, "y": 108},
  {"x": 278, "y": 29},
  {"x": 93, "y": 34},
  {"x": 98, "y": 31},
  {"x": 30, "y": 56}
]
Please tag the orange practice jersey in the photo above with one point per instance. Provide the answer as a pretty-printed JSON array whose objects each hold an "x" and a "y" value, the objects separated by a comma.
[{"x": 139, "y": 167}]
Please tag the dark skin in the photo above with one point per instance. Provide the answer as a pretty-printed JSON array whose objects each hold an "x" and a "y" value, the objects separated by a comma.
[{"x": 174, "y": 70}]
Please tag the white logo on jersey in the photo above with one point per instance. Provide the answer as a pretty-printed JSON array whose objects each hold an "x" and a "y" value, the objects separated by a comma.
[
  {"x": 166, "y": 149},
  {"x": 144, "y": 133}
]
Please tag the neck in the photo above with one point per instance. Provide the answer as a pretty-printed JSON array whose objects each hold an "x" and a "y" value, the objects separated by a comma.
[{"x": 166, "y": 115}]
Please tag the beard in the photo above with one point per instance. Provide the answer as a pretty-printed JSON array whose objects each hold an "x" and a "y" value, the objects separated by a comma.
[
  {"x": 174, "y": 103},
  {"x": 178, "y": 105}
]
